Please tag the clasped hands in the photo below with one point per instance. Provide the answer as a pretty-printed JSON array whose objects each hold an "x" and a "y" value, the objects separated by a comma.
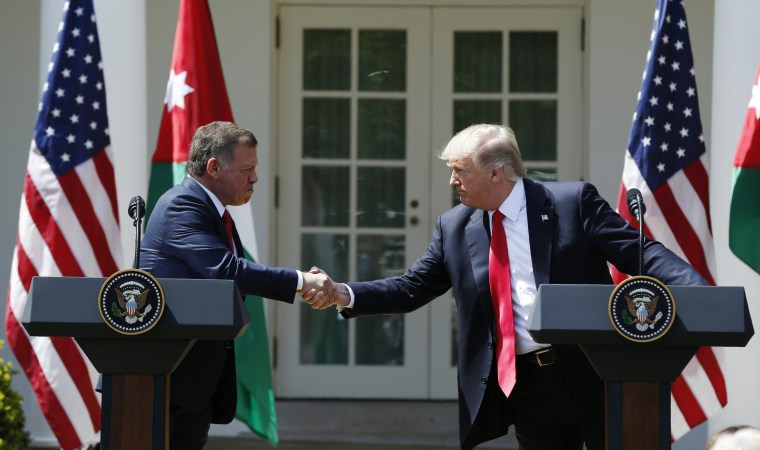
[{"x": 321, "y": 292}]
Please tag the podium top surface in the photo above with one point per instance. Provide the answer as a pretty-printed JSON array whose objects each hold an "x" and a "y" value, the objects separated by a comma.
[
  {"x": 197, "y": 309},
  {"x": 578, "y": 314}
]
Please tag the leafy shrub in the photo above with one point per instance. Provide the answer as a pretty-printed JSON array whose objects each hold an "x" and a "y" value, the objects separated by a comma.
[{"x": 12, "y": 433}]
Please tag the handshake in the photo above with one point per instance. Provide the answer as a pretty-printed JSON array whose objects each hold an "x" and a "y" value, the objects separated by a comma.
[{"x": 321, "y": 292}]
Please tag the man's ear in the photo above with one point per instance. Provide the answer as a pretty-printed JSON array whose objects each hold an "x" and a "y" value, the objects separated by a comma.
[
  {"x": 496, "y": 173},
  {"x": 212, "y": 167}
]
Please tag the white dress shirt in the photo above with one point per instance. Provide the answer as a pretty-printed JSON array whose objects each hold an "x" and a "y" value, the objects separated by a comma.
[{"x": 523, "y": 282}]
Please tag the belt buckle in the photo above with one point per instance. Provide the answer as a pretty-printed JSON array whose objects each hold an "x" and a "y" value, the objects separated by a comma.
[{"x": 538, "y": 357}]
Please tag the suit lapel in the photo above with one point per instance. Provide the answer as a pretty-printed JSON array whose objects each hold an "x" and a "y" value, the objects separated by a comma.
[
  {"x": 193, "y": 186},
  {"x": 478, "y": 243},
  {"x": 541, "y": 220}
]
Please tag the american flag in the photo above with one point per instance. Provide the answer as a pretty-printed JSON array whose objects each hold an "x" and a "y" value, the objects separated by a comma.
[
  {"x": 667, "y": 161},
  {"x": 68, "y": 222}
]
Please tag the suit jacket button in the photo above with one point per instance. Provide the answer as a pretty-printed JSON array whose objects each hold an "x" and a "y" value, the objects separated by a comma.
[
  {"x": 484, "y": 380},
  {"x": 490, "y": 345}
]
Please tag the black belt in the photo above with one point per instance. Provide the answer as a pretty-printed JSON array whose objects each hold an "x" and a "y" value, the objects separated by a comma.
[{"x": 542, "y": 357}]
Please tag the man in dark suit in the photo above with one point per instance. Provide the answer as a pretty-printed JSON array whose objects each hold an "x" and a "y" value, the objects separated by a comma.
[
  {"x": 190, "y": 235},
  {"x": 555, "y": 233}
]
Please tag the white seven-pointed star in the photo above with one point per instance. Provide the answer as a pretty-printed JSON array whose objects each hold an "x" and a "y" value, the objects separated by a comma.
[
  {"x": 754, "y": 102},
  {"x": 176, "y": 90}
]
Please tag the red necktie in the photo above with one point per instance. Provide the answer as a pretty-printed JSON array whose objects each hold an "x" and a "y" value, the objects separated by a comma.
[
  {"x": 228, "y": 226},
  {"x": 501, "y": 292}
]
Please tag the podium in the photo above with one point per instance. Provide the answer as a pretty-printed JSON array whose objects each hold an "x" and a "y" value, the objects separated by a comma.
[
  {"x": 135, "y": 368},
  {"x": 637, "y": 375}
]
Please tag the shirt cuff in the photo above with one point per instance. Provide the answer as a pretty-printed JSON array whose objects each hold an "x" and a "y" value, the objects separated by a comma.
[
  {"x": 351, "y": 303},
  {"x": 299, "y": 286}
]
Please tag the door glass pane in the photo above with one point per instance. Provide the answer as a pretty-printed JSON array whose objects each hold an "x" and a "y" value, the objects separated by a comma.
[
  {"x": 324, "y": 337},
  {"x": 382, "y": 129},
  {"x": 535, "y": 125},
  {"x": 382, "y": 60},
  {"x": 326, "y": 59},
  {"x": 477, "y": 61},
  {"x": 381, "y": 197},
  {"x": 324, "y": 196},
  {"x": 533, "y": 61},
  {"x": 379, "y": 339},
  {"x": 470, "y": 112},
  {"x": 326, "y": 127}
]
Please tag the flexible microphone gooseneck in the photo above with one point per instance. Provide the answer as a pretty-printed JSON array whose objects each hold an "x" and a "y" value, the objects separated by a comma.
[
  {"x": 637, "y": 209},
  {"x": 137, "y": 212}
]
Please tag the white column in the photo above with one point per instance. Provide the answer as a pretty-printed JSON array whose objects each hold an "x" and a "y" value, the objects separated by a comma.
[{"x": 735, "y": 64}]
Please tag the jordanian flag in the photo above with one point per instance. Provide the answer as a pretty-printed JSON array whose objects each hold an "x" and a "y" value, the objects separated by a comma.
[
  {"x": 744, "y": 221},
  {"x": 195, "y": 96}
]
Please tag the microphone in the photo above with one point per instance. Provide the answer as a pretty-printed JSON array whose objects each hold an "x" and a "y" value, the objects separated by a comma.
[
  {"x": 136, "y": 208},
  {"x": 136, "y": 211},
  {"x": 635, "y": 203},
  {"x": 637, "y": 209}
]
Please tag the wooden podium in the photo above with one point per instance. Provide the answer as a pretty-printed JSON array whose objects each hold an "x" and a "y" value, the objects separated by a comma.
[
  {"x": 135, "y": 368},
  {"x": 638, "y": 395}
]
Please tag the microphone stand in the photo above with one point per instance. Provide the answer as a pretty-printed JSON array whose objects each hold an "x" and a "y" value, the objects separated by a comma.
[
  {"x": 640, "y": 214},
  {"x": 138, "y": 227},
  {"x": 137, "y": 211}
]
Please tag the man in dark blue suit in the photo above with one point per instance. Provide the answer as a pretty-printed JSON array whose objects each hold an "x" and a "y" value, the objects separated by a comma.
[
  {"x": 555, "y": 233},
  {"x": 190, "y": 235}
]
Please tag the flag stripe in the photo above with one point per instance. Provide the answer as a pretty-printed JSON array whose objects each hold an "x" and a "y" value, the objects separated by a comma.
[
  {"x": 27, "y": 359},
  {"x": 709, "y": 362},
  {"x": 684, "y": 233},
  {"x": 21, "y": 343},
  {"x": 104, "y": 169},
  {"x": 699, "y": 179},
  {"x": 83, "y": 210},
  {"x": 51, "y": 234},
  {"x": 68, "y": 352},
  {"x": 687, "y": 402}
]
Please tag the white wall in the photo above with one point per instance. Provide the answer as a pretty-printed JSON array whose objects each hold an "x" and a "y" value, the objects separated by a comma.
[{"x": 737, "y": 56}]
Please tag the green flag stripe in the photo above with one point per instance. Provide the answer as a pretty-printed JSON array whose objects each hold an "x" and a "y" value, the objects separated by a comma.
[
  {"x": 255, "y": 396},
  {"x": 744, "y": 218},
  {"x": 163, "y": 176}
]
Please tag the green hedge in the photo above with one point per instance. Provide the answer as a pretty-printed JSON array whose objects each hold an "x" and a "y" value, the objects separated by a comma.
[{"x": 12, "y": 433}]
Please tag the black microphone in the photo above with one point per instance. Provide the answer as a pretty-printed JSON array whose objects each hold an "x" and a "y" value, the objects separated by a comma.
[
  {"x": 635, "y": 203},
  {"x": 137, "y": 212},
  {"x": 637, "y": 209},
  {"x": 136, "y": 208}
]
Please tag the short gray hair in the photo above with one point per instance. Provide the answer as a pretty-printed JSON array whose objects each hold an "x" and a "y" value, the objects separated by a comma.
[
  {"x": 488, "y": 146},
  {"x": 216, "y": 140}
]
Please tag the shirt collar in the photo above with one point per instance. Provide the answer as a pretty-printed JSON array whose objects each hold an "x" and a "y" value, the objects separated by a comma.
[
  {"x": 511, "y": 205},
  {"x": 214, "y": 199}
]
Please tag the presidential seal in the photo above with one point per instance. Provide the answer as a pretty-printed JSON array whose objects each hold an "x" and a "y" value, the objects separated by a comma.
[
  {"x": 642, "y": 309},
  {"x": 131, "y": 301}
]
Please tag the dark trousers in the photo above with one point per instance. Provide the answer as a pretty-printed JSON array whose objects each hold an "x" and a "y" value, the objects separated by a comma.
[
  {"x": 548, "y": 412},
  {"x": 188, "y": 430}
]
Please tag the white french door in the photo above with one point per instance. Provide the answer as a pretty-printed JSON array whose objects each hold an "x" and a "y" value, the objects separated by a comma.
[{"x": 367, "y": 97}]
